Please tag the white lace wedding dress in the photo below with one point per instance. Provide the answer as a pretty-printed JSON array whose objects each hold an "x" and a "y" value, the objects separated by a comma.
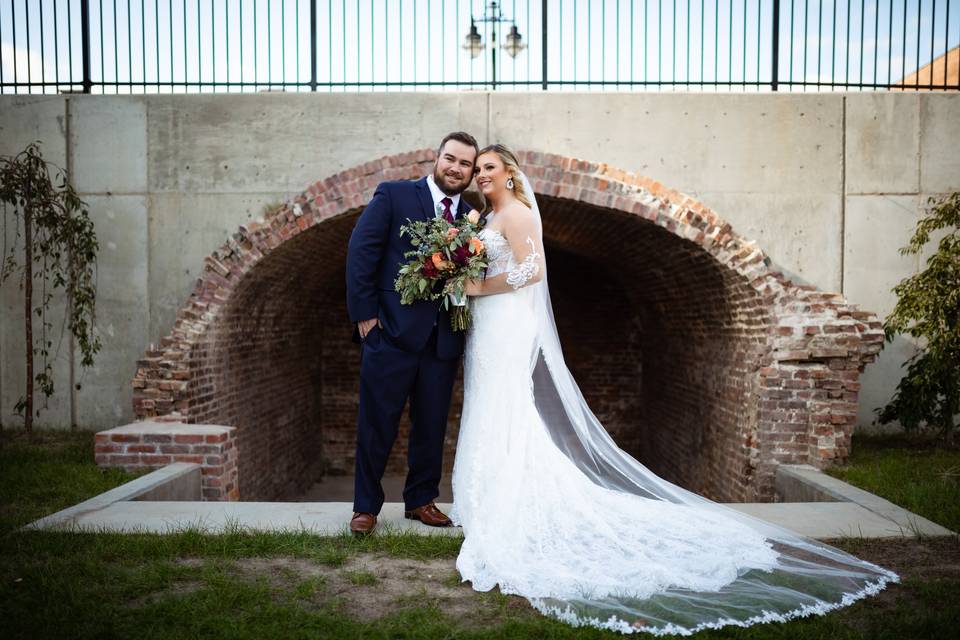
[{"x": 537, "y": 525}]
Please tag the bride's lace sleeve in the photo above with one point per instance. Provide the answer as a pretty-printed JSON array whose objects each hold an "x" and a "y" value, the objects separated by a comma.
[
  {"x": 527, "y": 269},
  {"x": 528, "y": 255}
]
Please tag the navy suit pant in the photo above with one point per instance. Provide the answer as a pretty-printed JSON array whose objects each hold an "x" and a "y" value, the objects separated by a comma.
[{"x": 388, "y": 377}]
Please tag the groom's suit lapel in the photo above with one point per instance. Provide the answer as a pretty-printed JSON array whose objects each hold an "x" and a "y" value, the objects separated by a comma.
[
  {"x": 426, "y": 200},
  {"x": 464, "y": 207}
]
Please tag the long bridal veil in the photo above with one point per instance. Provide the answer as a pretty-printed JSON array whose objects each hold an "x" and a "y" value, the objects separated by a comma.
[{"x": 809, "y": 577}]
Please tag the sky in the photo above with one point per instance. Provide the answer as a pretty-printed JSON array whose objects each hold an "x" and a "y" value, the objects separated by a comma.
[{"x": 406, "y": 41}]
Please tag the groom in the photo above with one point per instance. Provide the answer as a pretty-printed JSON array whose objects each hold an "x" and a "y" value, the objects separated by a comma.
[{"x": 407, "y": 351}]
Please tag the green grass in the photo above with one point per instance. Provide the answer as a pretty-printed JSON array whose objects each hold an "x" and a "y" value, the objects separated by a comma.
[
  {"x": 52, "y": 471},
  {"x": 910, "y": 471},
  {"x": 361, "y": 578},
  {"x": 185, "y": 584}
]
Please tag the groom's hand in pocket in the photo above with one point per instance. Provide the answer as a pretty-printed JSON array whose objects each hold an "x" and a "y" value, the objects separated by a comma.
[{"x": 364, "y": 326}]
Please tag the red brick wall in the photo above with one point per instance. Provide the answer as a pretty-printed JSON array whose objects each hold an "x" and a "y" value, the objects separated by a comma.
[
  {"x": 722, "y": 367},
  {"x": 600, "y": 334},
  {"x": 693, "y": 332},
  {"x": 261, "y": 369}
]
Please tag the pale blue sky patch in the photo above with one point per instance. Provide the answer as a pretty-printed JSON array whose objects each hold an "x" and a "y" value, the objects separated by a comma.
[{"x": 394, "y": 45}]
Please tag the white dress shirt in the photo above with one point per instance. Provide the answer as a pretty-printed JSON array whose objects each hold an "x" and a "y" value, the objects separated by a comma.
[
  {"x": 437, "y": 197},
  {"x": 440, "y": 195}
]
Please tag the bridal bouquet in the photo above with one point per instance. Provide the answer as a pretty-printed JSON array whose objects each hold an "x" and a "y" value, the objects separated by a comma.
[{"x": 444, "y": 252}]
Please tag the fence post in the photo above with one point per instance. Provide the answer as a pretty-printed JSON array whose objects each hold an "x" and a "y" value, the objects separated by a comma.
[
  {"x": 543, "y": 35},
  {"x": 313, "y": 45},
  {"x": 85, "y": 39},
  {"x": 776, "y": 43}
]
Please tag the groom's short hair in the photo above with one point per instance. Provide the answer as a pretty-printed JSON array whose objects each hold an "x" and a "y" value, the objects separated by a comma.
[{"x": 461, "y": 136}]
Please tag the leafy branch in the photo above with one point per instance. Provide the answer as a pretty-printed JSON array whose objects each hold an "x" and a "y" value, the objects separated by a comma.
[
  {"x": 59, "y": 238},
  {"x": 928, "y": 308}
]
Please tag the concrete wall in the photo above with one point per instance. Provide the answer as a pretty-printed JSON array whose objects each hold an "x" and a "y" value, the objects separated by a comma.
[{"x": 830, "y": 185}]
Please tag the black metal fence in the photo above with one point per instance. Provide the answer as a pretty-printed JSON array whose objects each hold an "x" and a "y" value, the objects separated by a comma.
[{"x": 180, "y": 46}]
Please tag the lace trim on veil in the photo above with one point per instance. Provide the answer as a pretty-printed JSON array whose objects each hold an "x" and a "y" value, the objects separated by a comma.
[{"x": 613, "y": 623}]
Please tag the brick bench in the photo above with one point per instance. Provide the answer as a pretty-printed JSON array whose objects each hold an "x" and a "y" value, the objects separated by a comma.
[{"x": 149, "y": 444}]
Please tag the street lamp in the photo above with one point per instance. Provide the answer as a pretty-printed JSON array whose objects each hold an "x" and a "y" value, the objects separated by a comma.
[
  {"x": 473, "y": 42},
  {"x": 514, "y": 42}
]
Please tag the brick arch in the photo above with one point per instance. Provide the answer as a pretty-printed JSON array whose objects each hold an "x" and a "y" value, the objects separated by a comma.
[{"x": 739, "y": 364}]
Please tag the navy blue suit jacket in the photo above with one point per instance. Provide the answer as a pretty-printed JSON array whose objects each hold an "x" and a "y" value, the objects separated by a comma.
[{"x": 375, "y": 255}]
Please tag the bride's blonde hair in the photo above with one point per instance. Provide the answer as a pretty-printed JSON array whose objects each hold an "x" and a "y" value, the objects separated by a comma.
[{"x": 512, "y": 166}]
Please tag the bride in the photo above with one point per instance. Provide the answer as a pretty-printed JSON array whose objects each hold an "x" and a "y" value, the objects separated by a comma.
[{"x": 553, "y": 510}]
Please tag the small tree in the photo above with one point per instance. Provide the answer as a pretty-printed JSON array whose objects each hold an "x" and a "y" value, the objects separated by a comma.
[
  {"x": 60, "y": 240},
  {"x": 928, "y": 308}
]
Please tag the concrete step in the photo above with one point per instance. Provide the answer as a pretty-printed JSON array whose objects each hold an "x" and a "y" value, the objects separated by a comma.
[
  {"x": 819, "y": 486},
  {"x": 838, "y": 510},
  {"x": 814, "y": 519},
  {"x": 322, "y": 518}
]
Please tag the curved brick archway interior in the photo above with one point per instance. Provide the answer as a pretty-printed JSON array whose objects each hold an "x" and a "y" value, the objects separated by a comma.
[
  {"x": 662, "y": 340},
  {"x": 701, "y": 361},
  {"x": 655, "y": 332}
]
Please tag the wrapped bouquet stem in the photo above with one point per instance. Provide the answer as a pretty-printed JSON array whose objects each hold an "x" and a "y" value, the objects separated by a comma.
[{"x": 460, "y": 314}]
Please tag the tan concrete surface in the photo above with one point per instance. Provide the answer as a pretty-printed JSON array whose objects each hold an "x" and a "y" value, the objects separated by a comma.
[{"x": 819, "y": 180}]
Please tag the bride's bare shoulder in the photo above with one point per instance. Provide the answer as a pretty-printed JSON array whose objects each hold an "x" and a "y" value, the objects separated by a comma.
[{"x": 516, "y": 211}]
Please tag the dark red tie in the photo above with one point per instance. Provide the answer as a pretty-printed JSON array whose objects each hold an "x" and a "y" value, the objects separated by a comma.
[{"x": 446, "y": 202}]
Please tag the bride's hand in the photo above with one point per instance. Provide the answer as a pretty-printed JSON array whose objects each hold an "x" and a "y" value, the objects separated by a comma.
[{"x": 472, "y": 287}]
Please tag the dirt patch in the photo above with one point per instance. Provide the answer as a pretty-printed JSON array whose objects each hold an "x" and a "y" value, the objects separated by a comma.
[
  {"x": 370, "y": 586},
  {"x": 190, "y": 562},
  {"x": 180, "y": 588},
  {"x": 930, "y": 559},
  {"x": 912, "y": 559}
]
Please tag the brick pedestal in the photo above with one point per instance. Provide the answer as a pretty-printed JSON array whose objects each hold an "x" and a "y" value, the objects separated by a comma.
[{"x": 151, "y": 444}]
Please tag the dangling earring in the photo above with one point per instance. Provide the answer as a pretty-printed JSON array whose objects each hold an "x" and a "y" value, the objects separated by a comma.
[{"x": 510, "y": 183}]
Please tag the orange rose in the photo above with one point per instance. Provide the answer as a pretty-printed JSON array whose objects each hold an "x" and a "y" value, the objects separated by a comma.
[
  {"x": 452, "y": 233},
  {"x": 476, "y": 244},
  {"x": 439, "y": 262}
]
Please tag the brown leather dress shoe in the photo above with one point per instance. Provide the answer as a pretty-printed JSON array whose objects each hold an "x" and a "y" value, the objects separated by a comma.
[
  {"x": 429, "y": 514},
  {"x": 362, "y": 523}
]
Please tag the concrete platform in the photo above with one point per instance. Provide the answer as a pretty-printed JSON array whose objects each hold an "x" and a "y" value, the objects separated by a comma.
[
  {"x": 321, "y": 518},
  {"x": 831, "y": 520},
  {"x": 814, "y": 519},
  {"x": 838, "y": 510},
  {"x": 825, "y": 489},
  {"x": 179, "y": 481}
]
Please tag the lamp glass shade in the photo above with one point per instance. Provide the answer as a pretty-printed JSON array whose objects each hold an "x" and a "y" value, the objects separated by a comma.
[
  {"x": 473, "y": 42},
  {"x": 513, "y": 43}
]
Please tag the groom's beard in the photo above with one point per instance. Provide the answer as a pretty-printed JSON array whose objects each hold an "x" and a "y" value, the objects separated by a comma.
[{"x": 443, "y": 182}]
